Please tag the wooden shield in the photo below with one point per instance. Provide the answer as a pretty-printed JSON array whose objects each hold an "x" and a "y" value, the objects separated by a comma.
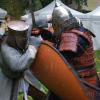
[{"x": 55, "y": 73}]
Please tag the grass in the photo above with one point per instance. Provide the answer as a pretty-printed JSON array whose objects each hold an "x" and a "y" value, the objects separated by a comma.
[{"x": 97, "y": 60}]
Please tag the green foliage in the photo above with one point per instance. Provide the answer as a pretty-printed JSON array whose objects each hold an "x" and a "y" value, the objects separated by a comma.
[
  {"x": 36, "y": 4},
  {"x": 13, "y": 7},
  {"x": 16, "y": 8},
  {"x": 81, "y": 2},
  {"x": 45, "y": 2}
]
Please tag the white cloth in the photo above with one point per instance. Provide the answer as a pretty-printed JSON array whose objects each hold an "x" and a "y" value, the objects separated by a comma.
[
  {"x": 5, "y": 87},
  {"x": 13, "y": 62},
  {"x": 23, "y": 87}
]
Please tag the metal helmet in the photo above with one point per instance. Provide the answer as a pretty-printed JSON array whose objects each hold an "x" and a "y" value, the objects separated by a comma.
[
  {"x": 61, "y": 18},
  {"x": 17, "y": 34},
  {"x": 17, "y": 27}
]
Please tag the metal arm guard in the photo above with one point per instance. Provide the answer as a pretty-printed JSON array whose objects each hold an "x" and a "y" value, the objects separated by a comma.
[{"x": 14, "y": 63}]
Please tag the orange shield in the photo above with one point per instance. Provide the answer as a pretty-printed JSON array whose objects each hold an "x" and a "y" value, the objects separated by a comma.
[{"x": 55, "y": 73}]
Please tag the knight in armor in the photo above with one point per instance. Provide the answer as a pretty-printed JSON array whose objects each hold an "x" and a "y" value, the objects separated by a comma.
[
  {"x": 75, "y": 44},
  {"x": 16, "y": 57}
]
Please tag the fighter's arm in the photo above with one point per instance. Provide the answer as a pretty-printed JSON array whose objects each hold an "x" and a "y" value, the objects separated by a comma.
[{"x": 15, "y": 60}]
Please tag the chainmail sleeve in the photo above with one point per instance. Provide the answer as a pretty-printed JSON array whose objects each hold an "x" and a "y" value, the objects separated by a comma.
[{"x": 14, "y": 60}]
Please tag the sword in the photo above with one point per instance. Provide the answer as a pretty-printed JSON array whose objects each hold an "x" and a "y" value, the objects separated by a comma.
[
  {"x": 32, "y": 14},
  {"x": 33, "y": 24},
  {"x": 31, "y": 79},
  {"x": 28, "y": 75}
]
